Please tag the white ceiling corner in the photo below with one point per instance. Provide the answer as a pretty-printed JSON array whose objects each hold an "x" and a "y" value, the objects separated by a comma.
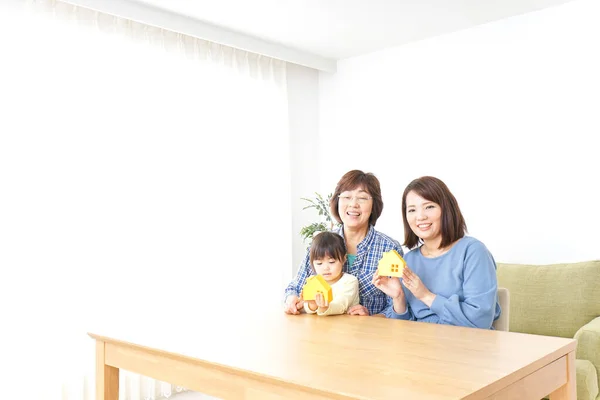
[{"x": 315, "y": 33}]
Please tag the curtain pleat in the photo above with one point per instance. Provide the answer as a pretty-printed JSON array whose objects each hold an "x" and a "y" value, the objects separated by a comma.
[
  {"x": 110, "y": 138},
  {"x": 253, "y": 65}
]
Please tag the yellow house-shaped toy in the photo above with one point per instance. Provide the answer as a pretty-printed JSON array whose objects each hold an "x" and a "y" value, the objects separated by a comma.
[
  {"x": 314, "y": 285},
  {"x": 391, "y": 264}
]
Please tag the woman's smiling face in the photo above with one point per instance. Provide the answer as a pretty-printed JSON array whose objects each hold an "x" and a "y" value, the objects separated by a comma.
[
  {"x": 424, "y": 216},
  {"x": 354, "y": 208}
]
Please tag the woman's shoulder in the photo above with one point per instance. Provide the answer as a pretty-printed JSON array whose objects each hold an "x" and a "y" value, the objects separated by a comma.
[
  {"x": 469, "y": 248},
  {"x": 471, "y": 244},
  {"x": 413, "y": 253},
  {"x": 465, "y": 245},
  {"x": 385, "y": 239}
]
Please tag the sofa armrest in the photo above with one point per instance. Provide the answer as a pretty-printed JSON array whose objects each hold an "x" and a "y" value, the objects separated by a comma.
[{"x": 588, "y": 343}]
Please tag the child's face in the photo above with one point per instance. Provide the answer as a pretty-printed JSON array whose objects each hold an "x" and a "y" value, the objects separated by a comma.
[{"x": 329, "y": 268}]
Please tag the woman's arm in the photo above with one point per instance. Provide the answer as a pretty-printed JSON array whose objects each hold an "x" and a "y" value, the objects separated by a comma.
[
  {"x": 292, "y": 302},
  {"x": 296, "y": 285},
  {"x": 479, "y": 287},
  {"x": 394, "y": 305},
  {"x": 372, "y": 298},
  {"x": 397, "y": 307}
]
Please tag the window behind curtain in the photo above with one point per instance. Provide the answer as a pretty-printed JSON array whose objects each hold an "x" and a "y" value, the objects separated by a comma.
[{"x": 133, "y": 179}]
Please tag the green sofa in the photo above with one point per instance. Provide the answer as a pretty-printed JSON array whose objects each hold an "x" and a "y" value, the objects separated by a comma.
[{"x": 559, "y": 300}]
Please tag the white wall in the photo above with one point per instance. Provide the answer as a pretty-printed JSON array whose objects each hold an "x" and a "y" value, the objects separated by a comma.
[
  {"x": 504, "y": 113},
  {"x": 303, "y": 114}
]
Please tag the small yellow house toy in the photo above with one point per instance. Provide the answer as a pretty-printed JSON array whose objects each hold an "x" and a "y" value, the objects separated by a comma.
[
  {"x": 314, "y": 285},
  {"x": 391, "y": 264}
]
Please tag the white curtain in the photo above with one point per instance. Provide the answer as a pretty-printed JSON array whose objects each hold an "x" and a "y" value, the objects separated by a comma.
[{"x": 132, "y": 161}]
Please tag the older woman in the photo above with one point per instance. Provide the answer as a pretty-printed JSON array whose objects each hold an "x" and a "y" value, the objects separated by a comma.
[
  {"x": 356, "y": 204},
  {"x": 450, "y": 278}
]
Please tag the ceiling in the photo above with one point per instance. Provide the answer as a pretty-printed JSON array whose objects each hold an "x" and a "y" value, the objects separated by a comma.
[
  {"x": 338, "y": 29},
  {"x": 315, "y": 33}
]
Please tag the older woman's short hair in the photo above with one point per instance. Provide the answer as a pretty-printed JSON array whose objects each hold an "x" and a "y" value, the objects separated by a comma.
[
  {"x": 453, "y": 222},
  {"x": 358, "y": 179}
]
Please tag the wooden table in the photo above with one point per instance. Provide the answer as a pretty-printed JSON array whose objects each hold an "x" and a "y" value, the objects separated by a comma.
[{"x": 276, "y": 356}]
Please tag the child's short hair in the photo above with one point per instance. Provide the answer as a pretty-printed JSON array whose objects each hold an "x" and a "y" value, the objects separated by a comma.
[{"x": 327, "y": 244}]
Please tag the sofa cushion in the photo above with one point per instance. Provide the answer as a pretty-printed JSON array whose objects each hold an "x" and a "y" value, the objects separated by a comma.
[
  {"x": 587, "y": 380},
  {"x": 552, "y": 300},
  {"x": 588, "y": 344}
]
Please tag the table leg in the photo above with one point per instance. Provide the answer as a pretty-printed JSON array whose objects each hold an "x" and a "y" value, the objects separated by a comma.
[
  {"x": 569, "y": 390},
  {"x": 107, "y": 377}
]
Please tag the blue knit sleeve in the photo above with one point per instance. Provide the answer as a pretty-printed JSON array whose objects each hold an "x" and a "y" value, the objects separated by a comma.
[
  {"x": 476, "y": 306},
  {"x": 389, "y": 312}
]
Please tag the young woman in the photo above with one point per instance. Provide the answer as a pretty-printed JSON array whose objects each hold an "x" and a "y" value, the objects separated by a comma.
[{"x": 450, "y": 278}]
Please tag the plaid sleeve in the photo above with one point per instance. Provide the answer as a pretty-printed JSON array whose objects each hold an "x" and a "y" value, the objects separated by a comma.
[
  {"x": 295, "y": 286},
  {"x": 372, "y": 298}
]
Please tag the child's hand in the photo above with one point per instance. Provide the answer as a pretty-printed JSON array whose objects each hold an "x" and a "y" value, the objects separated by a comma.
[
  {"x": 321, "y": 302},
  {"x": 312, "y": 304}
]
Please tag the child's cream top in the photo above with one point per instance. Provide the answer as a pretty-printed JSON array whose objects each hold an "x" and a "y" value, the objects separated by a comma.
[{"x": 345, "y": 295}]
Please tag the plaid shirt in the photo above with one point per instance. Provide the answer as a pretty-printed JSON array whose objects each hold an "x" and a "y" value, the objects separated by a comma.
[{"x": 369, "y": 252}]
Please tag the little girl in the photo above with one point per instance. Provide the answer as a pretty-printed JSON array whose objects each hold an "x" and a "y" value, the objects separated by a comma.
[{"x": 327, "y": 256}]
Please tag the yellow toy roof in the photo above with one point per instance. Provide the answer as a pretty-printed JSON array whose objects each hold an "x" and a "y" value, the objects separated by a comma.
[
  {"x": 314, "y": 285},
  {"x": 391, "y": 264}
]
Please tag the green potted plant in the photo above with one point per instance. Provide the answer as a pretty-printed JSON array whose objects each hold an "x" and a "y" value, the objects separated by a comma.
[{"x": 327, "y": 222}]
